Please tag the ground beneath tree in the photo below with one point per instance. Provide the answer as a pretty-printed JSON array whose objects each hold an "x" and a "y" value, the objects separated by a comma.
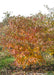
[{"x": 34, "y": 70}]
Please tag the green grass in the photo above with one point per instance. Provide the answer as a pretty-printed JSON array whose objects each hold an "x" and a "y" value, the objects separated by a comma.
[
  {"x": 50, "y": 73},
  {"x": 5, "y": 60},
  {"x": 0, "y": 48}
]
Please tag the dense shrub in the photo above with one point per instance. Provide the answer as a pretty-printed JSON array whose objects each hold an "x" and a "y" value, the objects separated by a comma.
[
  {"x": 26, "y": 38},
  {"x": 21, "y": 39}
]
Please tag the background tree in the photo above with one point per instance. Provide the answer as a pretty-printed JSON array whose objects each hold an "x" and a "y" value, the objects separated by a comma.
[
  {"x": 50, "y": 15},
  {"x": 6, "y": 17}
]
